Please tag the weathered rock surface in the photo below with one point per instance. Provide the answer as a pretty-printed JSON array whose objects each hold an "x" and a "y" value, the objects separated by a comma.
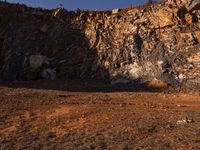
[{"x": 139, "y": 44}]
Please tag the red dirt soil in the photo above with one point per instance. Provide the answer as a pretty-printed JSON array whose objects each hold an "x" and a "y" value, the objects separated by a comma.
[{"x": 71, "y": 118}]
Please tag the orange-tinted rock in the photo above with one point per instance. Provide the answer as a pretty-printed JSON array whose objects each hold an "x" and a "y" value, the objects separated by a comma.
[
  {"x": 162, "y": 18},
  {"x": 197, "y": 36},
  {"x": 178, "y": 3},
  {"x": 188, "y": 18},
  {"x": 158, "y": 84}
]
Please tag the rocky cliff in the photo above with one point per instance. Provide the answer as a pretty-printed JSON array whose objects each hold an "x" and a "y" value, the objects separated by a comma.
[{"x": 152, "y": 42}]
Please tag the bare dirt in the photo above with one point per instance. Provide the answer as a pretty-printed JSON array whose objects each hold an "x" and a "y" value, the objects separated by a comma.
[{"x": 61, "y": 115}]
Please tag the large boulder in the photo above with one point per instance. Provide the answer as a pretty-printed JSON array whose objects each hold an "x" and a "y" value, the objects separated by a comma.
[{"x": 37, "y": 61}]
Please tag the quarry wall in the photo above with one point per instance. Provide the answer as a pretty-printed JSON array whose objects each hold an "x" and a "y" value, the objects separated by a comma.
[{"x": 152, "y": 42}]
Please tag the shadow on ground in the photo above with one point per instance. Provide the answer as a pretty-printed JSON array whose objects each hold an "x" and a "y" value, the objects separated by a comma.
[{"x": 81, "y": 86}]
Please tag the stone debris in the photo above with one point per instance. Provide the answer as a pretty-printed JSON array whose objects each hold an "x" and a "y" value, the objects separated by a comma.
[
  {"x": 120, "y": 81},
  {"x": 49, "y": 74},
  {"x": 157, "y": 41},
  {"x": 155, "y": 83},
  {"x": 115, "y": 11},
  {"x": 184, "y": 121},
  {"x": 180, "y": 122},
  {"x": 56, "y": 12},
  {"x": 37, "y": 61},
  {"x": 44, "y": 28}
]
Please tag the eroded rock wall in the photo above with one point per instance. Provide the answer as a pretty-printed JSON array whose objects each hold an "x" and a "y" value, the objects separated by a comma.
[{"x": 139, "y": 44}]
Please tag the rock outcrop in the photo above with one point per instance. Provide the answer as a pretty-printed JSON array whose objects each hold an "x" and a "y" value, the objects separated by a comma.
[{"x": 152, "y": 42}]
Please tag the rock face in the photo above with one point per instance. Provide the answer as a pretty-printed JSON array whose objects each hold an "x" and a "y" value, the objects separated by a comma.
[{"x": 139, "y": 44}]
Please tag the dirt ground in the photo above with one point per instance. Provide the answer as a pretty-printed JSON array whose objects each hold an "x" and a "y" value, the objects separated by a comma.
[{"x": 60, "y": 115}]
